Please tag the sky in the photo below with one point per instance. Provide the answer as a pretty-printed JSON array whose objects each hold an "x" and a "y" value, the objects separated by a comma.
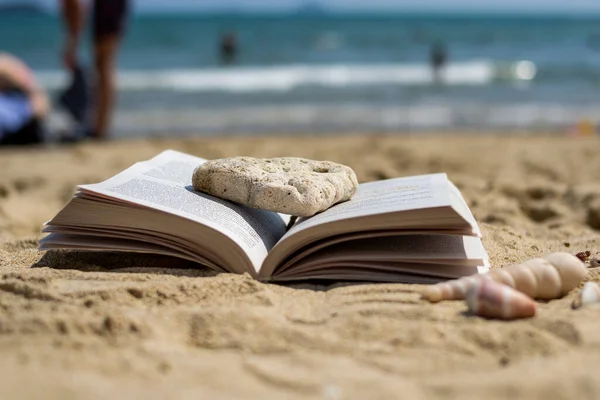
[{"x": 543, "y": 6}]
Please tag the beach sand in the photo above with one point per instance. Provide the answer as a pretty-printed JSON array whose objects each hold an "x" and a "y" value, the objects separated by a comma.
[{"x": 75, "y": 326}]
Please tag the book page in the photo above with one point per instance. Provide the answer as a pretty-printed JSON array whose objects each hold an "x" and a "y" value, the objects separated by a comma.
[
  {"x": 458, "y": 249},
  {"x": 380, "y": 197},
  {"x": 451, "y": 255},
  {"x": 377, "y": 270},
  {"x": 164, "y": 183},
  {"x": 352, "y": 238},
  {"x": 413, "y": 247},
  {"x": 418, "y": 202},
  {"x": 463, "y": 208},
  {"x": 390, "y": 195}
]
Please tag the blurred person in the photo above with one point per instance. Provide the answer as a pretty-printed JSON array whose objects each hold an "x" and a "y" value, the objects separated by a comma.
[
  {"x": 438, "y": 58},
  {"x": 228, "y": 48},
  {"x": 108, "y": 25},
  {"x": 23, "y": 103}
]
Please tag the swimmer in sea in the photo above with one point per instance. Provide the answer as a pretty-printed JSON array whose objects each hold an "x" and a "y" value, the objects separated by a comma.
[
  {"x": 228, "y": 48},
  {"x": 438, "y": 59}
]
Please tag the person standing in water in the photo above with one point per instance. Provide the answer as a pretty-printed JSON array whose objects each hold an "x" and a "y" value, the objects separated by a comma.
[
  {"x": 438, "y": 58},
  {"x": 228, "y": 48},
  {"x": 108, "y": 25}
]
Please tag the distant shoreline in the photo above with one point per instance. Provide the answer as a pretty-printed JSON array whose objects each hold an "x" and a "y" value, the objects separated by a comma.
[{"x": 12, "y": 10}]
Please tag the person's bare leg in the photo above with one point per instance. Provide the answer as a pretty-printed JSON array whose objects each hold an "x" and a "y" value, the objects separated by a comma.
[{"x": 105, "y": 51}]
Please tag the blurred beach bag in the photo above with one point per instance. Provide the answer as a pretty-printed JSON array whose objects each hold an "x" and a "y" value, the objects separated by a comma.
[{"x": 76, "y": 96}]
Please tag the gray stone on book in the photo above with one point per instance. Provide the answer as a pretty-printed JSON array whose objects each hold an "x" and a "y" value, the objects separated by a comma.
[{"x": 289, "y": 185}]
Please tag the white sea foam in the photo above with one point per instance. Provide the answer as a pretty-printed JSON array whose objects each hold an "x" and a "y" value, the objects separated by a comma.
[
  {"x": 286, "y": 78},
  {"x": 295, "y": 118}
]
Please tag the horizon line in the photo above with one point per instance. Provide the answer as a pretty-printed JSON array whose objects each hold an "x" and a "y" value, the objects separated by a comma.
[{"x": 328, "y": 12}]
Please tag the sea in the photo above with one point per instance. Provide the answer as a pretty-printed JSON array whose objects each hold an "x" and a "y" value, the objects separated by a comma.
[{"x": 335, "y": 73}]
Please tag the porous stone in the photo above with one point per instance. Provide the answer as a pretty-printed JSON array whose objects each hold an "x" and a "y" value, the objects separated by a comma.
[{"x": 289, "y": 185}]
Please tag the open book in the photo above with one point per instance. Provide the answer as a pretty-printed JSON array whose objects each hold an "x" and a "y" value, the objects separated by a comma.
[{"x": 417, "y": 229}]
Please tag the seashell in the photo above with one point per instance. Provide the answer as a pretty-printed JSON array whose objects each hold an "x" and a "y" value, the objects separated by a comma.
[
  {"x": 545, "y": 278},
  {"x": 594, "y": 262},
  {"x": 488, "y": 298},
  {"x": 452, "y": 290},
  {"x": 588, "y": 295}
]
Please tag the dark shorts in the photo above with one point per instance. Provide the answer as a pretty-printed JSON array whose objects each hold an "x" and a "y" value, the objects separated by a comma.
[{"x": 110, "y": 17}]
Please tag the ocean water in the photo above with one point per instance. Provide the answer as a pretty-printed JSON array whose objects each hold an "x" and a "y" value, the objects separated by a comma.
[{"x": 337, "y": 73}]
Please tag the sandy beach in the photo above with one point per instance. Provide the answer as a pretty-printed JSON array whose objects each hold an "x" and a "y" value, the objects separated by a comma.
[{"x": 75, "y": 326}]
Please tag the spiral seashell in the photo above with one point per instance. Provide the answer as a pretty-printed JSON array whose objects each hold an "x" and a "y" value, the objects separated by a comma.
[
  {"x": 488, "y": 298},
  {"x": 590, "y": 294},
  {"x": 545, "y": 278}
]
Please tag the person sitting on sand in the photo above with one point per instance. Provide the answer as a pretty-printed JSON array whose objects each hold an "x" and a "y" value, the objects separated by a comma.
[{"x": 23, "y": 103}]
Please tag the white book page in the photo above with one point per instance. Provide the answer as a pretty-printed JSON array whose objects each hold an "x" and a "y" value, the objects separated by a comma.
[
  {"x": 348, "y": 240},
  {"x": 423, "y": 251},
  {"x": 429, "y": 196},
  {"x": 408, "y": 247},
  {"x": 391, "y": 195},
  {"x": 463, "y": 209},
  {"x": 164, "y": 183}
]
